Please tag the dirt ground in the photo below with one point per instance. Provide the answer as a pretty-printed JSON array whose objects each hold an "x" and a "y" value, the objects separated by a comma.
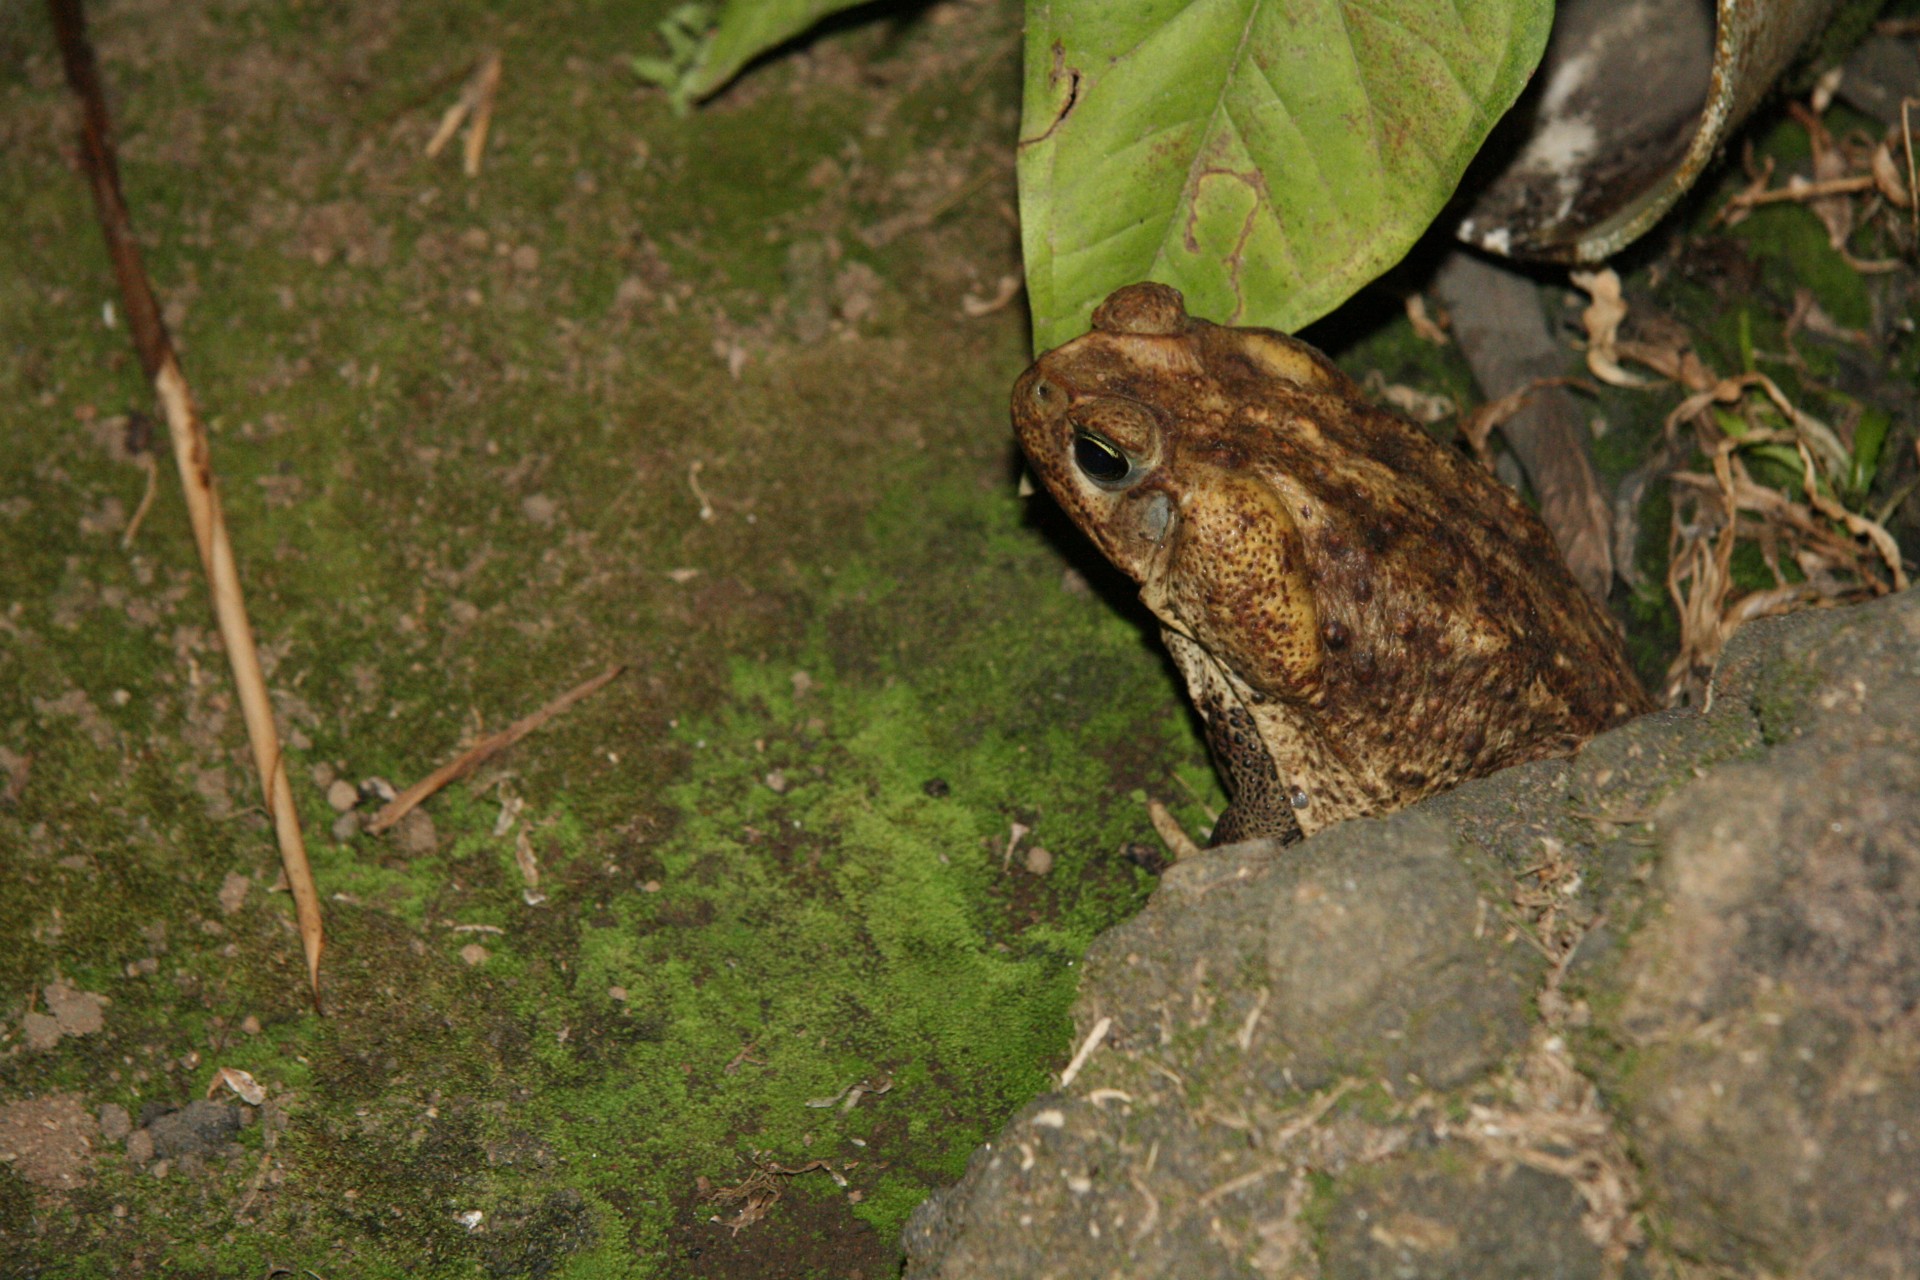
[{"x": 722, "y": 972}]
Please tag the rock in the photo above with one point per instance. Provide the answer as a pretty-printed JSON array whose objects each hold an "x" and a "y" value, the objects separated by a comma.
[
  {"x": 1428, "y": 1215},
  {"x": 1767, "y": 1006},
  {"x": 198, "y": 1128},
  {"x": 1359, "y": 963},
  {"x": 115, "y": 1123},
  {"x": 1651, "y": 1007},
  {"x": 415, "y": 834}
]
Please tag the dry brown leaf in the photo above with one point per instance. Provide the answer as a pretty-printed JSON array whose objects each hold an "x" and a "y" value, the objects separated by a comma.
[{"x": 240, "y": 1083}]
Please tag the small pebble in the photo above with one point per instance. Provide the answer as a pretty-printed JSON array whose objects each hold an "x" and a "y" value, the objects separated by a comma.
[
  {"x": 473, "y": 953},
  {"x": 342, "y": 795},
  {"x": 139, "y": 1146},
  {"x": 346, "y": 827},
  {"x": 1039, "y": 861},
  {"x": 115, "y": 1123},
  {"x": 416, "y": 835},
  {"x": 233, "y": 892}
]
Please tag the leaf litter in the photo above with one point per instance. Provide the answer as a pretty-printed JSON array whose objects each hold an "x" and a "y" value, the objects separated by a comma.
[{"x": 1766, "y": 472}]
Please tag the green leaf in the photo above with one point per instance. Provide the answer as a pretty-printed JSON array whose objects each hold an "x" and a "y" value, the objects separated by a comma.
[
  {"x": 748, "y": 28},
  {"x": 1266, "y": 157}
]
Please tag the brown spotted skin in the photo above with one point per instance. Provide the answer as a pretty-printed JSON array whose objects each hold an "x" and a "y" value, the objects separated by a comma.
[{"x": 1364, "y": 617}]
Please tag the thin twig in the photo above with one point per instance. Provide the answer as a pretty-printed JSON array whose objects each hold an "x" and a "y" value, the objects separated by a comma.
[
  {"x": 1171, "y": 834},
  {"x": 152, "y": 469},
  {"x": 475, "y": 109},
  {"x": 190, "y": 452},
  {"x": 1802, "y": 191},
  {"x": 481, "y": 752},
  {"x": 1085, "y": 1051}
]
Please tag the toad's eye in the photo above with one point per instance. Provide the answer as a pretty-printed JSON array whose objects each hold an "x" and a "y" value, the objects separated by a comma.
[
  {"x": 1043, "y": 393},
  {"x": 1099, "y": 458}
]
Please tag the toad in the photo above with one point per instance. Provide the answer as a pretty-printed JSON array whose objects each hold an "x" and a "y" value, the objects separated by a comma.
[{"x": 1363, "y": 616}]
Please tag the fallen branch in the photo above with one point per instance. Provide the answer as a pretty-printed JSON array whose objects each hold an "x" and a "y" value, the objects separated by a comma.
[
  {"x": 190, "y": 452},
  {"x": 484, "y": 750}
]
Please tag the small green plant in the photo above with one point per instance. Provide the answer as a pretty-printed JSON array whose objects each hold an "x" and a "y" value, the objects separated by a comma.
[{"x": 684, "y": 32}]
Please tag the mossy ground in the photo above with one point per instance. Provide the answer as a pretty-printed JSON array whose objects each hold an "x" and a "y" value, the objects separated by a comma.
[{"x": 693, "y": 394}]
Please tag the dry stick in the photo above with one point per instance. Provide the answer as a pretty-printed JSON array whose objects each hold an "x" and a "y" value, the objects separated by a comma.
[
  {"x": 1805, "y": 191},
  {"x": 475, "y": 106},
  {"x": 157, "y": 358},
  {"x": 481, "y": 752}
]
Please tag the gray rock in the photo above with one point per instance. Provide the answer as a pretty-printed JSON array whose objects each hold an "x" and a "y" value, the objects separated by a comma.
[
  {"x": 1431, "y": 1215},
  {"x": 196, "y": 1129},
  {"x": 1657, "y": 1006}
]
